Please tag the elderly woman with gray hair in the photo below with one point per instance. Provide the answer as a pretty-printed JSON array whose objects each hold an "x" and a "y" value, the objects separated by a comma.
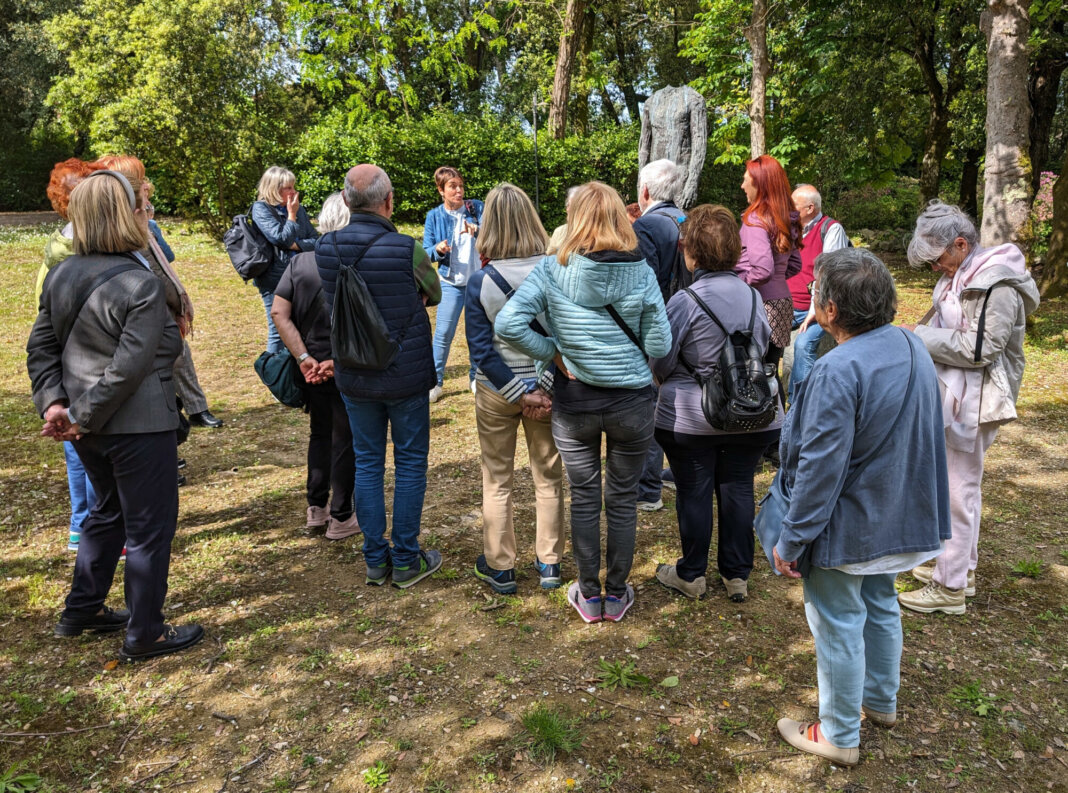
[
  {"x": 304, "y": 325},
  {"x": 975, "y": 336},
  {"x": 856, "y": 438}
]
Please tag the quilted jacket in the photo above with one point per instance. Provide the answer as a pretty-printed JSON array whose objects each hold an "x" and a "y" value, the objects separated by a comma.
[{"x": 573, "y": 298}]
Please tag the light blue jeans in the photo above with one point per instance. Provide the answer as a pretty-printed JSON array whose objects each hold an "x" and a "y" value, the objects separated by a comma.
[
  {"x": 82, "y": 497},
  {"x": 445, "y": 325},
  {"x": 274, "y": 340},
  {"x": 856, "y": 623},
  {"x": 805, "y": 346},
  {"x": 408, "y": 421}
]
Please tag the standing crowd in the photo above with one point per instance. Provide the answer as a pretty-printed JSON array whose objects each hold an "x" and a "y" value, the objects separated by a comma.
[{"x": 645, "y": 333}]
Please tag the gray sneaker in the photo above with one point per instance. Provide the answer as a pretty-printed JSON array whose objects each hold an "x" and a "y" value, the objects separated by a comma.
[
  {"x": 667, "y": 575},
  {"x": 588, "y": 608},
  {"x": 429, "y": 562},
  {"x": 378, "y": 576},
  {"x": 737, "y": 588},
  {"x": 616, "y": 607}
]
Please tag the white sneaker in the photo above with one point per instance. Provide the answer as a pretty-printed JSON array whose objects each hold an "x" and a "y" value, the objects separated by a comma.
[
  {"x": 925, "y": 572},
  {"x": 934, "y": 597},
  {"x": 651, "y": 506},
  {"x": 435, "y": 393}
]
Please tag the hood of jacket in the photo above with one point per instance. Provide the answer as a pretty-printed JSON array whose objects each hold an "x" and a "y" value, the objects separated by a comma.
[
  {"x": 594, "y": 284},
  {"x": 1005, "y": 264}
]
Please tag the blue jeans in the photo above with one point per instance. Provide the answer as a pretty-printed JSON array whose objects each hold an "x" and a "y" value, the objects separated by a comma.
[
  {"x": 274, "y": 341},
  {"x": 408, "y": 421},
  {"x": 856, "y": 623},
  {"x": 804, "y": 351},
  {"x": 448, "y": 319},
  {"x": 82, "y": 497}
]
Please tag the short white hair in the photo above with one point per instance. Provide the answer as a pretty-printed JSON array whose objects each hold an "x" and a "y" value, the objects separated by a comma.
[
  {"x": 334, "y": 215},
  {"x": 936, "y": 228},
  {"x": 661, "y": 178},
  {"x": 810, "y": 194}
]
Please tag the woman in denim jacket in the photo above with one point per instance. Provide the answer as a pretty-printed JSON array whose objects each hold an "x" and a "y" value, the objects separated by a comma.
[{"x": 449, "y": 236}]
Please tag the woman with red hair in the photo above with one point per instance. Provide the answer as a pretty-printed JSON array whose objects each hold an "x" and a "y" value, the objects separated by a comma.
[{"x": 771, "y": 242}]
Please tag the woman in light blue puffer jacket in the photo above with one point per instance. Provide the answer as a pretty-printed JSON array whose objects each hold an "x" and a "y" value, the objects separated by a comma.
[{"x": 606, "y": 317}]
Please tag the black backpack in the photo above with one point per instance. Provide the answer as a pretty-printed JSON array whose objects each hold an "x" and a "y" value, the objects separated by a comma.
[
  {"x": 741, "y": 394},
  {"x": 250, "y": 252},
  {"x": 358, "y": 333}
]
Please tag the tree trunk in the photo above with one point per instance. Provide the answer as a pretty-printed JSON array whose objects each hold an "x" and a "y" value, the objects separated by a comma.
[
  {"x": 969, "y": 182},
  {"x": 580, "y": 113},
  {"x": 757, "y": 36},
  {"x": 626, "y": 83},
  {"x": 1042, "y": 87},
  {"x": 1055, "y": 269},
  {"x": 936, "y": 142},
  {"x": 1007, "y": 193},
  {"x": 570, "y": 37}
]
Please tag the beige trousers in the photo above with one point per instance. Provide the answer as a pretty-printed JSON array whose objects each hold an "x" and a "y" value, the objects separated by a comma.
[{"x": 498, "y": 425}]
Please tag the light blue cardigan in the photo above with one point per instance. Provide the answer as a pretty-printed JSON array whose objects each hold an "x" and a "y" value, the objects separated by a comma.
[{"x": 593, "y": 347}]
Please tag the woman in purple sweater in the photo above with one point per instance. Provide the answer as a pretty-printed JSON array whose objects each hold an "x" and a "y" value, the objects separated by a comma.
[{"x": 771, "y": 243}]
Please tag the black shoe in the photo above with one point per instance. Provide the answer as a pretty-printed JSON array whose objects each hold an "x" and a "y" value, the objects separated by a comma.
[
  {"x": 205, "y": 419},
  {"x": 181, "y": 463},
  {"x": 181, "y": 480},
  {"x": 174, "y": 641},
  {"x": 74, "y": 623}
]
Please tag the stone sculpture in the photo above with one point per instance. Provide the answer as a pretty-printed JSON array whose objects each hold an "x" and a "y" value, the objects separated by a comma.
[{"x": 675, "y": 127}]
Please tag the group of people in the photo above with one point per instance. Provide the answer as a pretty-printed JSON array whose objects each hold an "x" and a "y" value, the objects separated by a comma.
[{"x": 604, "y": 334}]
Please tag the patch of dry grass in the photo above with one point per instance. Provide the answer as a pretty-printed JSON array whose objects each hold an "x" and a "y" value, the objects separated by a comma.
[{"x": 325, "y": 677}]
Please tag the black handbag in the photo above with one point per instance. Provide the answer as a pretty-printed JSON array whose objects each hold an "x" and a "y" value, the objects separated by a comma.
[
  {"x": 280, "y": 372},
  {"x": 358, "y": 333}
]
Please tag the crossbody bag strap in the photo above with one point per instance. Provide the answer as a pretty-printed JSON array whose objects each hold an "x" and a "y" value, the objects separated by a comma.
[
  {"x": 624, "y": 327},
  {"x": 981, "y": 327},
  {"x": 852, "y": 478},
  {"x": 494, "y": 275},
  {"x": 96, "y": 283}
]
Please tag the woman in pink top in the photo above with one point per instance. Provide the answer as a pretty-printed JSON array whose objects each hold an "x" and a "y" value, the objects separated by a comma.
[{"x": 771, "y": 243}]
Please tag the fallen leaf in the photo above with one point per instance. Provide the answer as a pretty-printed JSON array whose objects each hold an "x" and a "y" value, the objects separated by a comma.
[
  {"x": 749, "y": 660},
  {"x": 696, "y": 737},
  {"x": 676, "y": 720},
  {"x": 360, "y": 737},
  {"x": 1018, "y": 755},
  {"x": 114, "y": 662},
  {"x": 1048, "y": 754},
  {"x": 669, "y": 682}
]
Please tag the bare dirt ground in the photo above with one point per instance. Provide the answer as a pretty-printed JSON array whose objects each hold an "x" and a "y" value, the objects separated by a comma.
[{"x": 308, "y": 680}]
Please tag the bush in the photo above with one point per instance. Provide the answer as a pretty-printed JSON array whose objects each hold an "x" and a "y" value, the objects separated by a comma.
[
  {"x": 1042, "y": 215},
  {"x": 25, "y": 164},
  {"x": 892, "y": 207}
]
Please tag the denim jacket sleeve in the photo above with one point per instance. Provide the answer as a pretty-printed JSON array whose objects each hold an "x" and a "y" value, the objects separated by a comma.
[
  {"x": 513, "y": 321},
  {"x": 433, "y": 233},
  {"x": 827, "y": 425}
]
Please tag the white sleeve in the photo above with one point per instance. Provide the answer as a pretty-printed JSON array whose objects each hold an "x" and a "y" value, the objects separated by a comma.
[{"x": 836, "y": 238}]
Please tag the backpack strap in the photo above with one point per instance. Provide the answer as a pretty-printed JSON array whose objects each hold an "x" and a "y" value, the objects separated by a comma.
[
  {"x": 86, "y": 292},
  {"x": 825, "y": 224},
  {"x": 494, "y": 275},
  {"x": 981, "y": 327},
  {"x": 624, "y": 327},
  {"x": 704, "y": 307}
]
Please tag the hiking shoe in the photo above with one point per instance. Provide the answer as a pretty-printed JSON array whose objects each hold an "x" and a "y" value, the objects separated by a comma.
[
  {"x": 925, "y": 572},
  {"x": 174, "y": 641},
  {"x": 737, "y": 588},
  {"x": 317, "y": 517},
  {"x": 934, "y": 597},
  {"x": 501, "y": 581},
  {"x": 435, "y": 393},
  {"x": 667, "y": 575},
  {"x": 410, "y": 575},
  {"x": 75, "y": 623},
  {"x": 651, "y": 506},
  {"x": 549, "y": 573},
  {"x": 879, "y": 717},
  {"x": 807, "y": 737},
  {"x": 340, "y": 529},
  {"x": 667, "y": 479},
  {"x": 377, "y": 576},
  {"x": 588, "y": 608},
  {"x": 72, "y": 541},
  {"x": 181, "y": 463},
  {"x": 616, "y": 607}
]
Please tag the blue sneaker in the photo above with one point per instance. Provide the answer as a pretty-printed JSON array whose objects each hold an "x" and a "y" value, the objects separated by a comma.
[
  {"x": 378, "y": 576},
  {"x": 429, "y": 562},
  {"x": 550, "y": 574},
  {"x": 501, "y": 581}
]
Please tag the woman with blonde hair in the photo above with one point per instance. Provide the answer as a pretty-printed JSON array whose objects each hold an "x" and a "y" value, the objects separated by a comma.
[
  {"x": 510, "y": 392},
  {"x": 278, "y": 213},
  {"x": 604, "y": 316},
  {"x": 100, "y": 357}
]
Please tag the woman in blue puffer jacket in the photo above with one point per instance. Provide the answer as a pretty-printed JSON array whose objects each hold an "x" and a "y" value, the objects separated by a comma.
[{"x": 606, "y": 317}]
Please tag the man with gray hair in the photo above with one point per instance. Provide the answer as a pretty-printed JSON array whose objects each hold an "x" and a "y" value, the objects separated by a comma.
[
  {"x": 821, "y": 235},
  {"x": 658, "y": 238},
  {"x": 401, "y": 282}
]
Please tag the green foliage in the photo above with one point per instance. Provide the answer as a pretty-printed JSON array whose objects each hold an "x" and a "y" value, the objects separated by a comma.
[
  {"x": 377, "y": 775},
  {"x": 891, "y": 206},
  {"x": 1027, "y": 568},
  {"x": 15, "y": 780},
  {"x": 971, "y": 696},
  {"x": 620, "y": 674},
  {"x": 550, "y": 732}
]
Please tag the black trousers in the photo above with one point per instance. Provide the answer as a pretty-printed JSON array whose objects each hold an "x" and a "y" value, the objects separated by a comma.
[
  {"x": 136, "y": 482},
  {"x": 331, "y": 461},
  {"x": 720, "y": 468}
]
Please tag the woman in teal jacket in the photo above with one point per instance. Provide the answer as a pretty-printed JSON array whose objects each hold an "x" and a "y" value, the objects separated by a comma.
[{"x": 606, "y": 317}]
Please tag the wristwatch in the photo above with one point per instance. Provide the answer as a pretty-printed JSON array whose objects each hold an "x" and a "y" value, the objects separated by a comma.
[{"x": 303, "y": 355}]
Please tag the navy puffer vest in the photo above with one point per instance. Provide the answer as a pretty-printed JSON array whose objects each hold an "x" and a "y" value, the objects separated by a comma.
[{"x": 387, "y": 270}]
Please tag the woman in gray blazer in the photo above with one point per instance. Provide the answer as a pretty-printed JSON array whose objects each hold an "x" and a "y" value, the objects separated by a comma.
[{"x": 100, "y": 358}]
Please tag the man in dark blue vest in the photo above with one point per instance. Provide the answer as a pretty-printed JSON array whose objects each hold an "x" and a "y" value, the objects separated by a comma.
[
  {"x": 402, "y": 282},
  {"x": 658, "y": 238}
]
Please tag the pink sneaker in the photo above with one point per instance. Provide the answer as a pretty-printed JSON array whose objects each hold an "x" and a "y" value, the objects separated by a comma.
[{"x": 340, "y": 529}]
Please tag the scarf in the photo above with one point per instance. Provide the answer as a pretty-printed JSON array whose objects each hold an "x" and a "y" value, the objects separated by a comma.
[{"x": 185, "y": 317}]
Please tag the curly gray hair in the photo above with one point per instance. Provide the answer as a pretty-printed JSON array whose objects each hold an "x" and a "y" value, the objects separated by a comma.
[
  {"x": 860, "y": 286},
  {"x": 936, "y": 228}
]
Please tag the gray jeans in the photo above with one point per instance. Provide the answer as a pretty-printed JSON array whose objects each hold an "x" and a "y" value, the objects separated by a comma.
[{"x": 578, "y": 438}]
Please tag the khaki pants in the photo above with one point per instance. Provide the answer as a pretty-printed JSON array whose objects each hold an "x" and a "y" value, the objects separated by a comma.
[{"x": 498, "y": 424}]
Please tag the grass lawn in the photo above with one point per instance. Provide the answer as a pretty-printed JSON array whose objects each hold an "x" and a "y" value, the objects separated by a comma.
[{"x": 308, "y": 680}]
